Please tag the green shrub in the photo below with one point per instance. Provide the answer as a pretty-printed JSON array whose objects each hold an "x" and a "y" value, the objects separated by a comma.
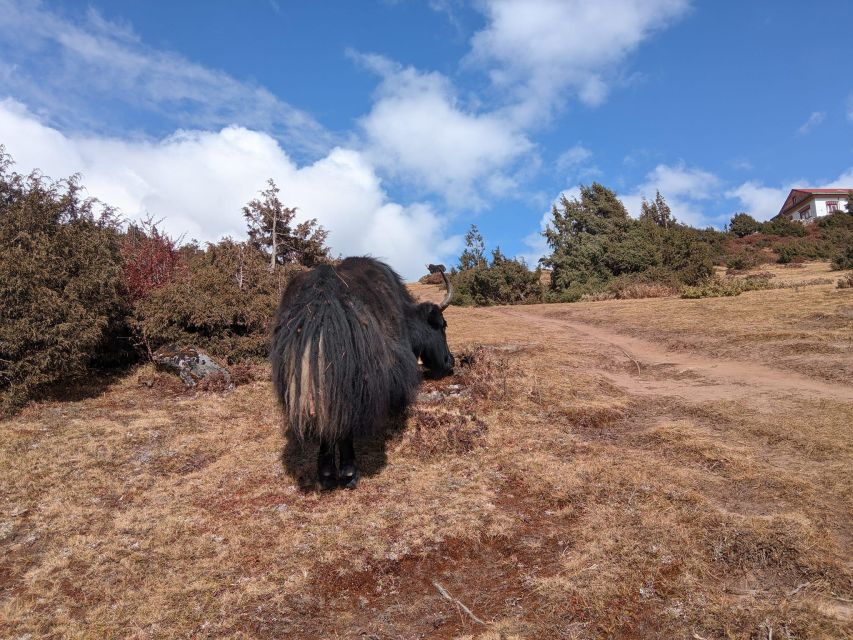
[
  {"x": 504, "y": 281},
  {"x": 743, "y": 224},
  {"x": 843, "y": 259},
  {"x": 784, "y": 227},
  {"x": 715, "y": 287},
  {"x": 222, "y": 301},
  {"x": 60, "y": 283},
  {"x": 686, "y": 255},
  {"x": 742, "y": 261}
]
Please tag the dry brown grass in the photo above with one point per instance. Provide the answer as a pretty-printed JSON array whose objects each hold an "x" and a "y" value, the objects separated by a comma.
[
  {"x": 802, "y": 327},
  {"x": 558, "y": 493}
]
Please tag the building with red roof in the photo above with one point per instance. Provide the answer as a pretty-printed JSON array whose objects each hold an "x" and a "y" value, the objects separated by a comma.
[{"x": 807, "y": 205}]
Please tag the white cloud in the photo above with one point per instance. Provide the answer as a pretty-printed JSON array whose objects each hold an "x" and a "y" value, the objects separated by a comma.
[
  {"x": 79, "y": 71},
  {"x": 741, "y": 164},
  {"x": 813, "y": 121},
  {"x": 419, "y": 132},
  {"x": 573, "y": 157},
  {"x": 844, "y": 181},
  {"x": 538, "y": 49},
  {"x": 762, "y": 202},
  {"x": 198, "y": 180},
  {"x": 683, "y": 187}
]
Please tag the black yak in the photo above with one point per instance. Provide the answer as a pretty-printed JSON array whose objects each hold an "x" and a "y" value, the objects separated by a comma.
[{"x": 345, "y": 352}]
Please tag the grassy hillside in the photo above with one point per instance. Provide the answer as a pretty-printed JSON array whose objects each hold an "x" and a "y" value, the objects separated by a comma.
[{"x": 632, "y": 469}]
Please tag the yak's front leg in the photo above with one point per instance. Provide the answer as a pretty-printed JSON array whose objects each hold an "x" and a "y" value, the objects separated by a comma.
[
  {"x": 349, "y": 472},
  {"x": 326, "y": 469}
]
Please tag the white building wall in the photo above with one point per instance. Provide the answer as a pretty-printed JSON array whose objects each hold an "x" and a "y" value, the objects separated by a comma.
[
  {"x": 820, "y": 204},
  {"x": 817, "y": 208},
  {"x": 801, "y": 214}
]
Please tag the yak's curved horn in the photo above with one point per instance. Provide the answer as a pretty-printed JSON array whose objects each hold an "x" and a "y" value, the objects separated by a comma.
[{"x": 439, "y": 268}]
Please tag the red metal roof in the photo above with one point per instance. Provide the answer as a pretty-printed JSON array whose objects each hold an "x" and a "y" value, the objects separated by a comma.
[{"x": 823, "y": 190}]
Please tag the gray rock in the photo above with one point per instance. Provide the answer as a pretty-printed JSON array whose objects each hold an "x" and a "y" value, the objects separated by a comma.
[{"x": 189, "y": 364}]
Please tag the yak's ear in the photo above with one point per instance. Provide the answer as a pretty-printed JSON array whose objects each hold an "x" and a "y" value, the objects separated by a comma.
[{"x": 432, "y": 314}]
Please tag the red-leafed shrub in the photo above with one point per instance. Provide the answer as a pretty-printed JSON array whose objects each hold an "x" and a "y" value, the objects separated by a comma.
[{"x": 150, "y": 259}]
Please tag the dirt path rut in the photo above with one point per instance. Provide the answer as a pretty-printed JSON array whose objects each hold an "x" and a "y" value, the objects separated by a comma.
[{"x": 691, "y": 376}]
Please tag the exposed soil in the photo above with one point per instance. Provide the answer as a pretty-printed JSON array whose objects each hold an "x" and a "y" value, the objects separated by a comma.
[{"x": 689, "y": 376}]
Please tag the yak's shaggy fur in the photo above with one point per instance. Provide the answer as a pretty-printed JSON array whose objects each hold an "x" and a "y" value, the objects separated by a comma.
[{"x": 345, "y": 348}]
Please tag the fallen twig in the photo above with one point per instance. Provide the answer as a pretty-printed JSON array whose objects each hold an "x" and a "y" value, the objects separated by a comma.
[
  {"x": 630, "y": 357},
  {"x": 798, "y": 589},
  {"x": 449, "y": 598}
]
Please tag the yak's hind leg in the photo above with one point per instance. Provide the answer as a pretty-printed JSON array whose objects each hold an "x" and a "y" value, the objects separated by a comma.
[
  {"x": 349, "y": 471},
  {"x": 326, "y": 469}
]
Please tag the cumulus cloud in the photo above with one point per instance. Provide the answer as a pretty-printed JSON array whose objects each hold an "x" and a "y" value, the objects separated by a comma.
[
  {"x": 540, "y": 49},
  {"x": 78, "y": 72},
  {"x": 419, "y": 132},
  {"x": 685, "y": 189},
  {"x": 763, "y": 202},
  {"x": 573, "y": 157},
  {"x": 759, "y": 201},
  {"x": 198, "y": 180},
  {"x": 813, "y": 121}
]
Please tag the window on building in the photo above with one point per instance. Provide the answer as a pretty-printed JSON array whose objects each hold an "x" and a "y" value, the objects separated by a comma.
[
  {"x": 831, "y": 207},
  {"x": 804, "y": 213}
]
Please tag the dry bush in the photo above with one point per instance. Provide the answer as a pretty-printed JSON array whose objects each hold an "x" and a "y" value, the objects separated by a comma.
[
  {"x": 431, "y": 278},
  {"x": 455, "y": 426},
  {"x": 639, "y": 290},
  {"x": 486, "y": 372},
  {"x": 442, "y": 432},
  {"x": 598, "y": 296},
  {"x": 164, "y": 384},
  {"x": 846, "y": 282},
  {"x": 244, "y": 373},
  {"x": 715, "y": 286},
  {"x": 216, "y": 382}
]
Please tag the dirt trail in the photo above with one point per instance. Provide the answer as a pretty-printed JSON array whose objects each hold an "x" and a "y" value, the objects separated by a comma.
[{"x": 691, "y": 376}]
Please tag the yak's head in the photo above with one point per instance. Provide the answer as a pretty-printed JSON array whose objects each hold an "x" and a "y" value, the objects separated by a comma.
[{"x": 429, "y": 338}]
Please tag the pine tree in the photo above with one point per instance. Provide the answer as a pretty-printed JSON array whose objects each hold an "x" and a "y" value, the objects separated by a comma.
[
  {"x": 657, "y": 212},
  {"x": 664, "y": 213},
  {"x": 474, "y": 254},
  {"x": 269, "y": 227}
]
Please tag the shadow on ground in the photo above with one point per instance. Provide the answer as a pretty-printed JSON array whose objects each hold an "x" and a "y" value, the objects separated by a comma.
[{"x": 299, "y": 458}]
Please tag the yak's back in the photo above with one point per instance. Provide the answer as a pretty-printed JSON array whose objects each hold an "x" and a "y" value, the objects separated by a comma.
[{"x": 338, "y": 359}]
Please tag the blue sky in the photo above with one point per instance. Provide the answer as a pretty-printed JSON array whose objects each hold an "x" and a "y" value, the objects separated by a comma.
[{"x": 399, "y": 123}]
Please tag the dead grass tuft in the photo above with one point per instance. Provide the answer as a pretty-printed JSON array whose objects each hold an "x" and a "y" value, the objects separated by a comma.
[
  {"x": 442, "y": 432},
  {"x": 488, "y": 372}
]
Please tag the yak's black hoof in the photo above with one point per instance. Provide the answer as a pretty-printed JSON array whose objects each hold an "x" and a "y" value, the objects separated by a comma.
[
  {"x": 328, "y": 481},
  {"x": 349, "y": 477}
]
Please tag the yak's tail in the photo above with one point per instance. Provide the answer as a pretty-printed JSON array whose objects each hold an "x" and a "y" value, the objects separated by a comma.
[{"x": 333, "y": 367}]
